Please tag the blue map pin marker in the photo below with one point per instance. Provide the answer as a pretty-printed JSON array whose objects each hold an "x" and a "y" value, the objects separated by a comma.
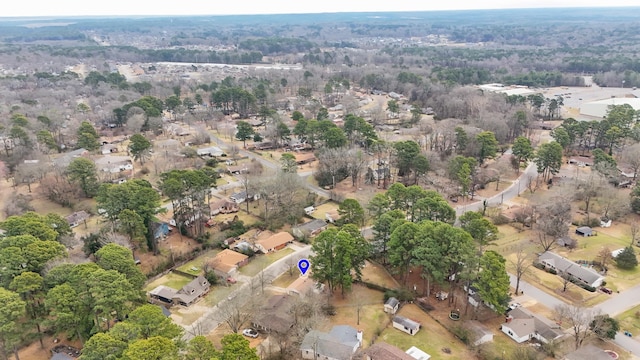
[{"x": 303, "y": 265}]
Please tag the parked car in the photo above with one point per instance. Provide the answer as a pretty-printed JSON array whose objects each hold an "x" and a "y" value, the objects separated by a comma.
[
  {"x": 606, "y": 290},
  {"x": 513, "y": 306},
  {"x": 250, "y": 333}
]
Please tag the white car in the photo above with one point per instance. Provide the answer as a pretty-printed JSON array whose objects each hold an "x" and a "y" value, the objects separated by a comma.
[
  {"x": 250, "y": 333},
  {"x": 513, "y": 306}
]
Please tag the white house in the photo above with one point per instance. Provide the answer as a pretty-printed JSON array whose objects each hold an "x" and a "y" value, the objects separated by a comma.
[
  {"x": 418, "y": 354},
  {"x": 407, "y": 325},
  {"x": 565, "y": 266},
  {"x": 522, "y": 325}
]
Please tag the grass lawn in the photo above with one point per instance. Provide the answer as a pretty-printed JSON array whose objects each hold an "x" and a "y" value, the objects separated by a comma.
[
  {"x": 373, "y": 319},
  {"x": 432, "y": 338},
  {"x": 172, "y": 280},
  {"x": 630, "y": 320},
  {"x": 322, "y": 210},
  {"x": 376, "y": 274},
  {"x": 262, "y": 261},
  {"x": 285, "y": 279},
  {"x": 218, "y": 293},
  {"x": 194, "y": 266}
]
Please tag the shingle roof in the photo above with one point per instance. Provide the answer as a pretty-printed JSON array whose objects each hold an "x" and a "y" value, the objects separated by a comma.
[
  {"x": 565, "y": 265},
  {"x": 408, "y": 323},
  {"x": 393, "y": 302},
  {"x": 274, "y": 241},
  {"x": 525, "y": 322},
  {"x": 384, "y": 351},
  {"x": 326, "y": 345}
]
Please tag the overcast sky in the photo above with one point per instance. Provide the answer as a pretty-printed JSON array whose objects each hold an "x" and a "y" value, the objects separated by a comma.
[{"x": 226, "y": 7}]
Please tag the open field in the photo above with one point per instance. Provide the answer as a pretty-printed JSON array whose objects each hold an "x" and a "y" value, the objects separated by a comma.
[{"x": 259, "y": 262}]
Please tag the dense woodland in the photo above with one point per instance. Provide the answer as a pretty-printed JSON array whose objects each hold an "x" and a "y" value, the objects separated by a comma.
[{"x": 454, "y": 131}]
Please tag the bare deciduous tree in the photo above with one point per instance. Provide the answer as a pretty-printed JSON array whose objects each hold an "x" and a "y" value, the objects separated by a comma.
[
  {"x": 579, "y": 320},
  {"x": 521, "y": 264}
]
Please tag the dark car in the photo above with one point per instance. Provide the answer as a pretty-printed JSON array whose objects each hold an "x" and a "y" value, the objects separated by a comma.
[{"x": 606, "y": 290}]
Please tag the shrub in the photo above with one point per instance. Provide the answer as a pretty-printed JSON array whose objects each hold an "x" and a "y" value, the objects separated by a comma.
[
  {"x": 539, "y": 265},
  {"x": 552, "y": 271}
]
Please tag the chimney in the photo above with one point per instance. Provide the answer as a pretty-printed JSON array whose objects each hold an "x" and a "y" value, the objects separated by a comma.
[
  {"x": 509, "y": 318},
  {"x": 359, "y": 337}
]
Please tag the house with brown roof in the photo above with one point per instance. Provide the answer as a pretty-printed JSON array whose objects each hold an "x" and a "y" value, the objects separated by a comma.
[
  {"x": 274, "y": 242},
  {"x": 227, "y": 262},
  {"x": 223, "y": 206},
  {"x": 384, "y": 351},
  {"x": 304, "y": 158},
  {"x": 275, "y": 315},
  {"x": 523, "y": 325}
]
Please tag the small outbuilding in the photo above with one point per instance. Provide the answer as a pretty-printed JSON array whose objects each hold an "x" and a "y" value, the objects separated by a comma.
[
  {"x": 391, "y": 305},
  {"x": 480, "y": 333},
  {"x": 584, "y": 231},
  {"x": 407, "y": 325}
]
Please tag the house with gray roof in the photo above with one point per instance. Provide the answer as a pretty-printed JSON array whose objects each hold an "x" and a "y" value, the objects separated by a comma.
[
  {"x": 565, "y": 266},
  {"x": 522, "y": 325},
  {"x": 309, "y": 229},
  {"x": 186, "y": 296},
  {"x": 339, "y": 344},
  {"x": 407, "y": 325}
]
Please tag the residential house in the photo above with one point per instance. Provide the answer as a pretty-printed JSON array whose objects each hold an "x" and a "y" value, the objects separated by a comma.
[
  {"x": 65, "y": 159},
  {"x": 309, "y": 229},
  {"x": 384, "y": 351},
  {"x": 418, "y": 354},
  {"x": 332, "y": 216},
  {"x": 304, "y": 158},
  {"x": 223, "y": 206},
  {"x": 338, "y": 344},
  {"x": 107, "y": 149},
  {"x": 274, "y": 242},
  {"x": 212, "y": 151},
  {"x": 576, "y": 271},
  {"x": 237, "y": 170},
  {"x": 584, "y": 231},
  {"x": 227, "y": 262},
  {"x": 114, "y": 164},
  {"x": 391, "y": 305},
  {"x": 588, "y": 352},
  {"x": 304, "y": 285},
  {"x": 480, "y": 334},
  {"x": 275, "y": 315},
  {"x": 77, "y": 218},
  {"x": 580, "y": 161},
  {"x": 186, "y": 296},
  {"x": 522, "y": 325},
  {"x": 407, "y": 325}
]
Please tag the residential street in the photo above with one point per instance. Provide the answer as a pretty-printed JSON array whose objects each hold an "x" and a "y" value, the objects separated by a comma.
[
  {"x": 617, "y": 304},
  {"x": 211, "y": 319}
]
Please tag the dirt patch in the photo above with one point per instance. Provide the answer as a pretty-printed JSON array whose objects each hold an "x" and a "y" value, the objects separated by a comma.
[
  {"x": 35, "y": 352},
  {"x": 173, "y": 246}
]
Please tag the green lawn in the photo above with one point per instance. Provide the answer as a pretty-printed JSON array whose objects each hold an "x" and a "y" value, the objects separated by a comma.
[
  {"x": 172, "y": 280},
  {"x": 630, "y": 320},
  {"x": 259, "y": 262},
  {"x": 219, "y": 293},
  {"x": 194, "y": 266},
  {"x": 285, "y": 279},
  {"x": 432, "y": 338}
]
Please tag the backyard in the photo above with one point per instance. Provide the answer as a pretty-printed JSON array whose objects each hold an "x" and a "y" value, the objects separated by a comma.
[{"x": 260, "y": 262}]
